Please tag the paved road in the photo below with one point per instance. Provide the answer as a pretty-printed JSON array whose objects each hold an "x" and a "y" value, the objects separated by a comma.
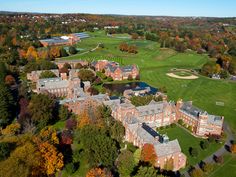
[{"x": 220, "y": 151}]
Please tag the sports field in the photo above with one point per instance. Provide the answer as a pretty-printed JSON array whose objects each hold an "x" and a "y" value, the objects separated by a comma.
[{"x": 154, "y": 63}]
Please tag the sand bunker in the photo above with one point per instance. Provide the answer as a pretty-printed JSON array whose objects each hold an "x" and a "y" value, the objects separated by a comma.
[{"x": 182, "y": 77}]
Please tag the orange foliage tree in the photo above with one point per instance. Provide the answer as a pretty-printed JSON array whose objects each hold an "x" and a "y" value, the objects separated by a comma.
[
  {"x": 83, "y": 120},
  {"x": 10, "y": 80},
  {"x": 148, "y": 154},
  {"x": 233, "y": 148},
  {"x": 98, "y": 172},
  {"x": 31, "y": 53},
  {"x": 53, "y": 160},
  {"x": 54, "y": 52}
]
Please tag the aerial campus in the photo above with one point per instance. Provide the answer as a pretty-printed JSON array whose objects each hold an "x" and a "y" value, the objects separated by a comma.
[{"x": 87, "y": 95}]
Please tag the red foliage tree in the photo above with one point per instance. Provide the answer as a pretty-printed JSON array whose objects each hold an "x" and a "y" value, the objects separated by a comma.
[
  {"x": 148, "y": 154},
  {"x": 66, "y": 137}
]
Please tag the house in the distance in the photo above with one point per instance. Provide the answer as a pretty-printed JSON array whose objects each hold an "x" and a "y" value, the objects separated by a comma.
[
  {"x": 116, "y": 72},
  {"x": 71, "y": 39},
  {"x": 60, "y": 63}
]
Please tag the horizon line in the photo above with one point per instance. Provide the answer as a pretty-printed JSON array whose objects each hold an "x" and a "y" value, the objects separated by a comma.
[{"x": 87, "y": 13}]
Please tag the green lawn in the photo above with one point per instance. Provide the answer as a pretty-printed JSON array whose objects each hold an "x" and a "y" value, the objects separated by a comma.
[
  {"x": 227, "y": 169},
  {"x": 154, "y": 63},
  {"x": 186, "y": 141}
]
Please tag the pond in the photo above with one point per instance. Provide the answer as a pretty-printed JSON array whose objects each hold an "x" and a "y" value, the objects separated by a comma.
[{"x": 121, "y": 87}]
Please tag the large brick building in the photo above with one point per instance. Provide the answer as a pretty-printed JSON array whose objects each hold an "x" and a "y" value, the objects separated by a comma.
[
  {"x": 60, "y": 63},
  {"x": 138, "y": 122},
  {"x": 84, "y": 103},
  {"x": 201, "y": 123},
  {"x": 70, "y": 88},
  {"x": 35, "y": 75},
  {"x": 116, "y": 72},
  {"x": 71, "y": 39}
]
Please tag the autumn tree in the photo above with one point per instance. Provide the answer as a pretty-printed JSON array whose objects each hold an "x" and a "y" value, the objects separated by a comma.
[
  {"x": 10, "y": 80},
  {"x": 133, "y": 49},
  {"x": 54, "y": 52},
  {"x": 99, "y": 172},
  {"x": 148, "y": 154},
  {"x": 24, "y": 161},
  {"x": 233, "y": 148},
  {"x": 53, "y": 160},
  {"x": 125, "y": 163},
  {"x": 11, "y": 129},
  {"x": 66, "y": 137},
  {"x": 31, "y": 53},
  {"x": 124, "y": 47},
  {"x": 134, "y": 36},
  {"x": 197, "y": 172}
]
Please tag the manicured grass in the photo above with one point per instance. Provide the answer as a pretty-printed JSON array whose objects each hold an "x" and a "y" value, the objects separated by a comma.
[
  {"x": 226, "y": 169},
  {"x": 154, "y": 63},
  {"x": 59, "y": 125},
  {"x": 186, "y": 141}
]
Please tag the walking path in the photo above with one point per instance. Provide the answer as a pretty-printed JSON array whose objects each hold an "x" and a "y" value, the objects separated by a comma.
[{"x": 223, "y": 150}]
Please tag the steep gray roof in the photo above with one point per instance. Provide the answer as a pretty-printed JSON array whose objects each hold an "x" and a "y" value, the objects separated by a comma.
[
  {"x": 53, "y": 83},
  {"x": 215, "y": 120},
  {"x": 191, "y": 110},
  {"x": 128, "y": 68},
  {"x": 164, "y": 149},
  {"x": 151, "y": 108}
]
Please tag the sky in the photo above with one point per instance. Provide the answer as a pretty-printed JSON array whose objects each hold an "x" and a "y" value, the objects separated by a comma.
[{"x": 209, "y": 8}]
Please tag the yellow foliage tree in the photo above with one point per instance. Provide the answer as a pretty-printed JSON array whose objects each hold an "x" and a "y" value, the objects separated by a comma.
[
  {"x": 54, "y": 52},
  {"x": 53, "y": 160},
  {"x": 217, "y": 68},
  {"x": 24, "y": 161},
  {"x": 11, "y": 129},
  {"x": 83, "y": 120},
  {"x": 48, "y": 134},
  {"x": 31, "y": 53},
  {"x": 98, "y": 172}
]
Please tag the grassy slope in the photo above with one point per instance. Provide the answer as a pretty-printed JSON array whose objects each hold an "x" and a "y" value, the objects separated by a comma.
[
  {"x": 186, "y": 141},
  {"x": 155, "y": 62},
  {"x": 226, "y": 169}
]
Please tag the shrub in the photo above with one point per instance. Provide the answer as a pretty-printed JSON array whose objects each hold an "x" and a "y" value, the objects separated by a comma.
[
  {"x": 204, "y": 144},
  {"x": 130, "y": 78},
  {"x": 109, "y": 79},
  {"x": 193, "y": 152},
  {"x": 207, "y": 167},
  {"x": 197, "y": 172},
  {"x": 173, "y": 125},
  {"x": 218, "y": 159},
  {"x": 70, "y": 168},
  {"x": 72, "y": 50},
  {"x": 180, "y": 121}
]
